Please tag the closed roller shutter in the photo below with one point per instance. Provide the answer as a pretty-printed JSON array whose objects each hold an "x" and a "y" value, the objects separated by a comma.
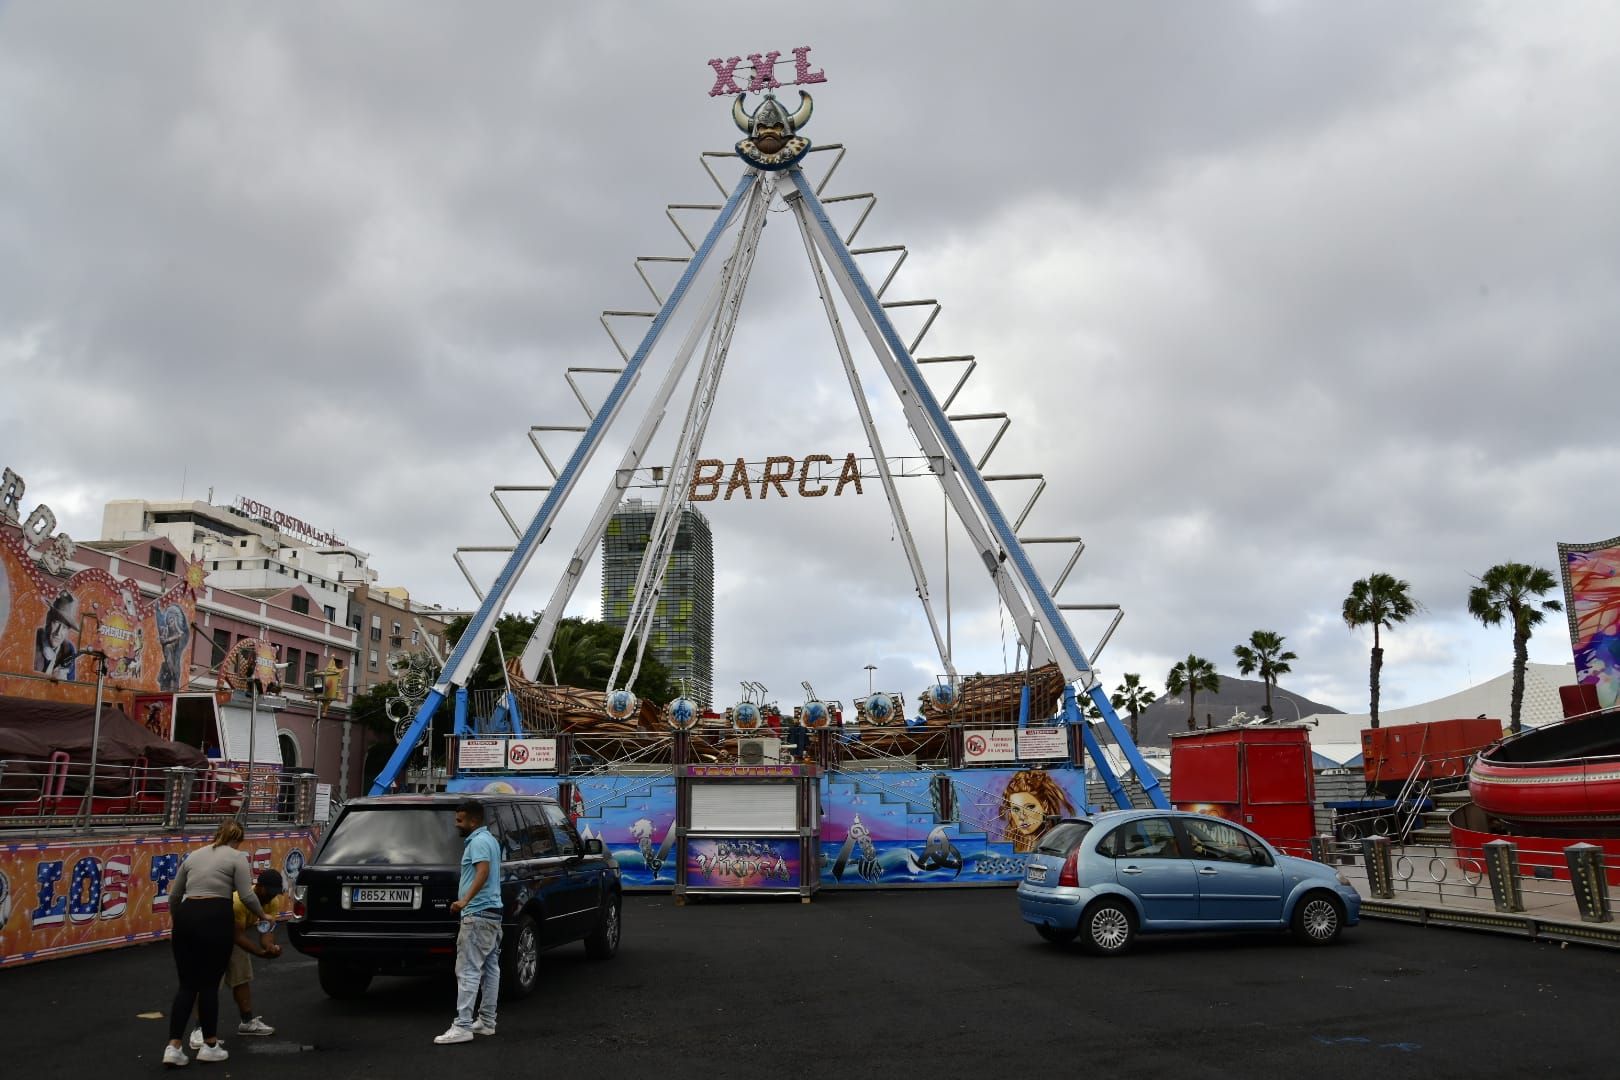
[{"x": 744, "y": 808}]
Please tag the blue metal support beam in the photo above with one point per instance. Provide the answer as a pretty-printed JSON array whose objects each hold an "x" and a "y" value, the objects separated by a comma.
[
  {"x": 458, "y": 668},
  {"x": 1070, "y": 656}
]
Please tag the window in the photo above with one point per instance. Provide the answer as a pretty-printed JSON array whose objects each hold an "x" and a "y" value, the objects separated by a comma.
[
  {"x": 413, "y": 836},
  {"x": 331, "y": 612},
  {"x": 222, "y": 645},
  {"x": 376, "y": 633},
  {"x": 159, "y": 559},
  {"x": 1218, "y": 841},
  {"x": 542, "y": 845},
  {"x": 1064, "y": 838},
  {"x": 415, "y": 634},
  {"x": 373, "y": 659},
  {"x": 396, "y": 630},
  {"x": 300, "y": 604},
  {"x": 561, "y": 829},
  {"x": 293, "y": 658},
  {"x": 1149, "y": 838},
  {"x": 289, "y": 749}
]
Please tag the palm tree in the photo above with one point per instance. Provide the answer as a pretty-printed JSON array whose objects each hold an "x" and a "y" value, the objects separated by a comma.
[
  {"x": 1132, "y": 697},
  {"x": 1511, "y": 591},
  {"x": 1378, "y": 600},
  {"x": 1190, "y": 676},
  {"x": 1264, "y": 653}
]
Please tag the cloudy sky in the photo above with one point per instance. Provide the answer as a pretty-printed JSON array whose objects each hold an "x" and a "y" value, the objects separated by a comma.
[{"x": 1277, "y": 294}]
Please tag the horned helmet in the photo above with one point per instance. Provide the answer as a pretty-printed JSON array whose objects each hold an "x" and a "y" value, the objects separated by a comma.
[{"x": 771, "y": 139}]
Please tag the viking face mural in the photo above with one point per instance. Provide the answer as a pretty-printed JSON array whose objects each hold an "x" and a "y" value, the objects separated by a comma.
[{"x": 771, "y": 140}]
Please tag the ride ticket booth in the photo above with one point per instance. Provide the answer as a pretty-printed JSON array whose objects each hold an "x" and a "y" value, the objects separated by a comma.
[{"x": 747, "y": 829}]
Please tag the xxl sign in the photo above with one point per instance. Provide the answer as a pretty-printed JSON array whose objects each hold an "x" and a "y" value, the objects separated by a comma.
[
  {"x": 762, "y": 67},
  {"x": 779, "y": 470}
]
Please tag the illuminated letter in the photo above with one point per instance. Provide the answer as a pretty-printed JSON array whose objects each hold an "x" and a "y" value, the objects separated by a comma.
[
  {"x": 804, "y": 475},
  {"x": 774, "y": 478},
  {"x": 37, "y": 529},
  {"x": 55, "y": 556},
  {"x": 723, "y": 70},
  {"x": 850, "y": 475},
  {"x": 702, "y": 478},
  {"x": 11, "y": 493},
  {"x": 739, "y": 479},
  {"x": 51, "y": 907},
  {"x": 764, "y": 72},
  {"x": 805, "y": 76}
]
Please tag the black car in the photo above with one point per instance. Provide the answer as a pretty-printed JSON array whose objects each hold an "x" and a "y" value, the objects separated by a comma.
[{"x": 375, "y": 898}]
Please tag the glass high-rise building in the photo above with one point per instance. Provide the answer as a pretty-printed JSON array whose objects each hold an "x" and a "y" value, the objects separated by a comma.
[{"x": 682, "y": 632}]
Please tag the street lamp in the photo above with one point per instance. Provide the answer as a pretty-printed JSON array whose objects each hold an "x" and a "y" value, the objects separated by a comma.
[{"x": 1298, "y": 719}]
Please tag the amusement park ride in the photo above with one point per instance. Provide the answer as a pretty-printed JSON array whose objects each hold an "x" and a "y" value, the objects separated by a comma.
[{"x": 773, "y": 151}]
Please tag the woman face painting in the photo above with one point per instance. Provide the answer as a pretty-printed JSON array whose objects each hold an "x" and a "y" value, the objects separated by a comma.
[{"x": 1025, "y": 815}]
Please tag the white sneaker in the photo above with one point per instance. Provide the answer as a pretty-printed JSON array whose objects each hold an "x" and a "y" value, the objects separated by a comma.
[
  {"x": 216, "y": 1052},
  {"x": 481, "y": 1028},
  {"x": 454, "y": 1035},
  {"x": 174, "y": 1057},
  {"x": 196, "y": 1038},
  {"x": 255, "y": 1026}
]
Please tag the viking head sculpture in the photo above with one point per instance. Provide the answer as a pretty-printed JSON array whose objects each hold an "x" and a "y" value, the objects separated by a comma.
[{"x": 771, "y": 140}]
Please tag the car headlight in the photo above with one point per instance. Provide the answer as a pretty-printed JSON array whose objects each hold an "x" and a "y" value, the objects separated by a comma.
[{"x": 1342, "y": 879}]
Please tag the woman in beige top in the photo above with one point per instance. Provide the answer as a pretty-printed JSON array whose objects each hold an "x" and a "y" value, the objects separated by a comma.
[{"x": 204, "y": 930}]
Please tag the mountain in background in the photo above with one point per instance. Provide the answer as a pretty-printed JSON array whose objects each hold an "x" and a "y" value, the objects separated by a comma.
[{"x": 1169, "y": 714}]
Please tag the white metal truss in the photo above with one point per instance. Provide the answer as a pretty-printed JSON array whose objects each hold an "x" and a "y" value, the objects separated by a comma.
[{"x": 1035, "y": 613}]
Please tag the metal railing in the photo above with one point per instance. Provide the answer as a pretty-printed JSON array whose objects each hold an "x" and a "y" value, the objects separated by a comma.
[{"x": 56, "y": 794}]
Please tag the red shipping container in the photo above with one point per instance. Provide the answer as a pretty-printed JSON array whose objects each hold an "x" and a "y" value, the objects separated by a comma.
[
  {"x": 1434, "y": 751},
  {"x": 1260, "y": 777}
]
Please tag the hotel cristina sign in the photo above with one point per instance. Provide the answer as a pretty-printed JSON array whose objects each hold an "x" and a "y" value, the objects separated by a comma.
[{"x": 286, "y": 522}]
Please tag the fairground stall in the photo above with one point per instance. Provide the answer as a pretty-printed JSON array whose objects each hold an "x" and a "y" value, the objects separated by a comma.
[{"x": 747, "y": 829}]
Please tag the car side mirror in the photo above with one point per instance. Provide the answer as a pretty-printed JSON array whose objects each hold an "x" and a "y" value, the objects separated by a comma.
[{"x": 593, "y": 846}]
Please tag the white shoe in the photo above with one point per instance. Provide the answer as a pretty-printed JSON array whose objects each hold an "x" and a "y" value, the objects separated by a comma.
[
  {"x": 196, "y": 1038},
  {"x": 255, "y": 1026},
  {"x": 216, "y": 1052},
  {"x": 481, "y": 1028},
  {"x": 454, "y": 1035},
  {"x": 174, "y": 1057}
]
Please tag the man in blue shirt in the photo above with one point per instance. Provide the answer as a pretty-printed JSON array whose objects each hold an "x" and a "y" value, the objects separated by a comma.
[{"x": 478, "y": 945}]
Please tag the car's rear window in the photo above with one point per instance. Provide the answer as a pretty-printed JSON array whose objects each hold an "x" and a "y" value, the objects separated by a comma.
[
  {"x": 414, "y": 836},
  {"x": 1061, "y": 838}
]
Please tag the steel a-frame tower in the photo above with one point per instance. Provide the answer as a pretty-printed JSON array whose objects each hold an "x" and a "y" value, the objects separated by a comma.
[{"x": 1035, "y": 612}]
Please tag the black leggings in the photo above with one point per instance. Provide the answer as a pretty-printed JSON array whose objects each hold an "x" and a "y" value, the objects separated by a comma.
[{"x": 204, "y": 931}]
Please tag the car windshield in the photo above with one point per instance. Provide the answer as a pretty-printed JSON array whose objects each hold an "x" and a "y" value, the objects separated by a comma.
[
  {"x": 414, "y": 836},
  {"x": 1062, "y": 838}
]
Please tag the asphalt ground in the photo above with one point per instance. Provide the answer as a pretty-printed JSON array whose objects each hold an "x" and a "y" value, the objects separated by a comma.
[{"x": 928, "y": 984}]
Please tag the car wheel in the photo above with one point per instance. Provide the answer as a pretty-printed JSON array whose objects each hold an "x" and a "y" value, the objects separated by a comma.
[
  {"x": 343, "y": 981},
  {"x": 1108, "y": 927},
  {"x": 1318, "y": 918},
  {"x": 604, "y": 941},
  {"x": 1057, "y": 935},
  {"x": 520, "y": 959}
]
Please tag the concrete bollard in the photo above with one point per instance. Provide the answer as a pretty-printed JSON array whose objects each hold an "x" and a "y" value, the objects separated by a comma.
[
  {"x": 1375, "y": 853},
  {"x": 1591, "y": 884},
  {"x": 177, "y": 785},
  {"x": 1502, "y": 866}
]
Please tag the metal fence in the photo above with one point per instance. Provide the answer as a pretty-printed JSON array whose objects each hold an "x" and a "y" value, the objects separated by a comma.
[{"x": 60, "y": 794}]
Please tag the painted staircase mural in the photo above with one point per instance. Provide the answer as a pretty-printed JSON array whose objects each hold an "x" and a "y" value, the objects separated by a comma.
[{"x": 878, "y": 828}]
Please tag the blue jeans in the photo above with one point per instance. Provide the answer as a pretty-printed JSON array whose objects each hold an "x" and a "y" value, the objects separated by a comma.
[{"x": 478, "y": 967}]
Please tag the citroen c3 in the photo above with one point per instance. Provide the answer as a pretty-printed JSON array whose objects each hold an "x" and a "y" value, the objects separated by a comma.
[
  {"x": 1112, "y": 876},
  {"x": 375, "y": 898}
]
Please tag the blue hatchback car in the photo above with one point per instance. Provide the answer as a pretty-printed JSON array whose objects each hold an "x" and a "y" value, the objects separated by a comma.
[{"x": 1107, "y": 878}]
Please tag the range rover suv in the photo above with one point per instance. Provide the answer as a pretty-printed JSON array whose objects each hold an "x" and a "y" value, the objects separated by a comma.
[{"x": 375, "y": 898}]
